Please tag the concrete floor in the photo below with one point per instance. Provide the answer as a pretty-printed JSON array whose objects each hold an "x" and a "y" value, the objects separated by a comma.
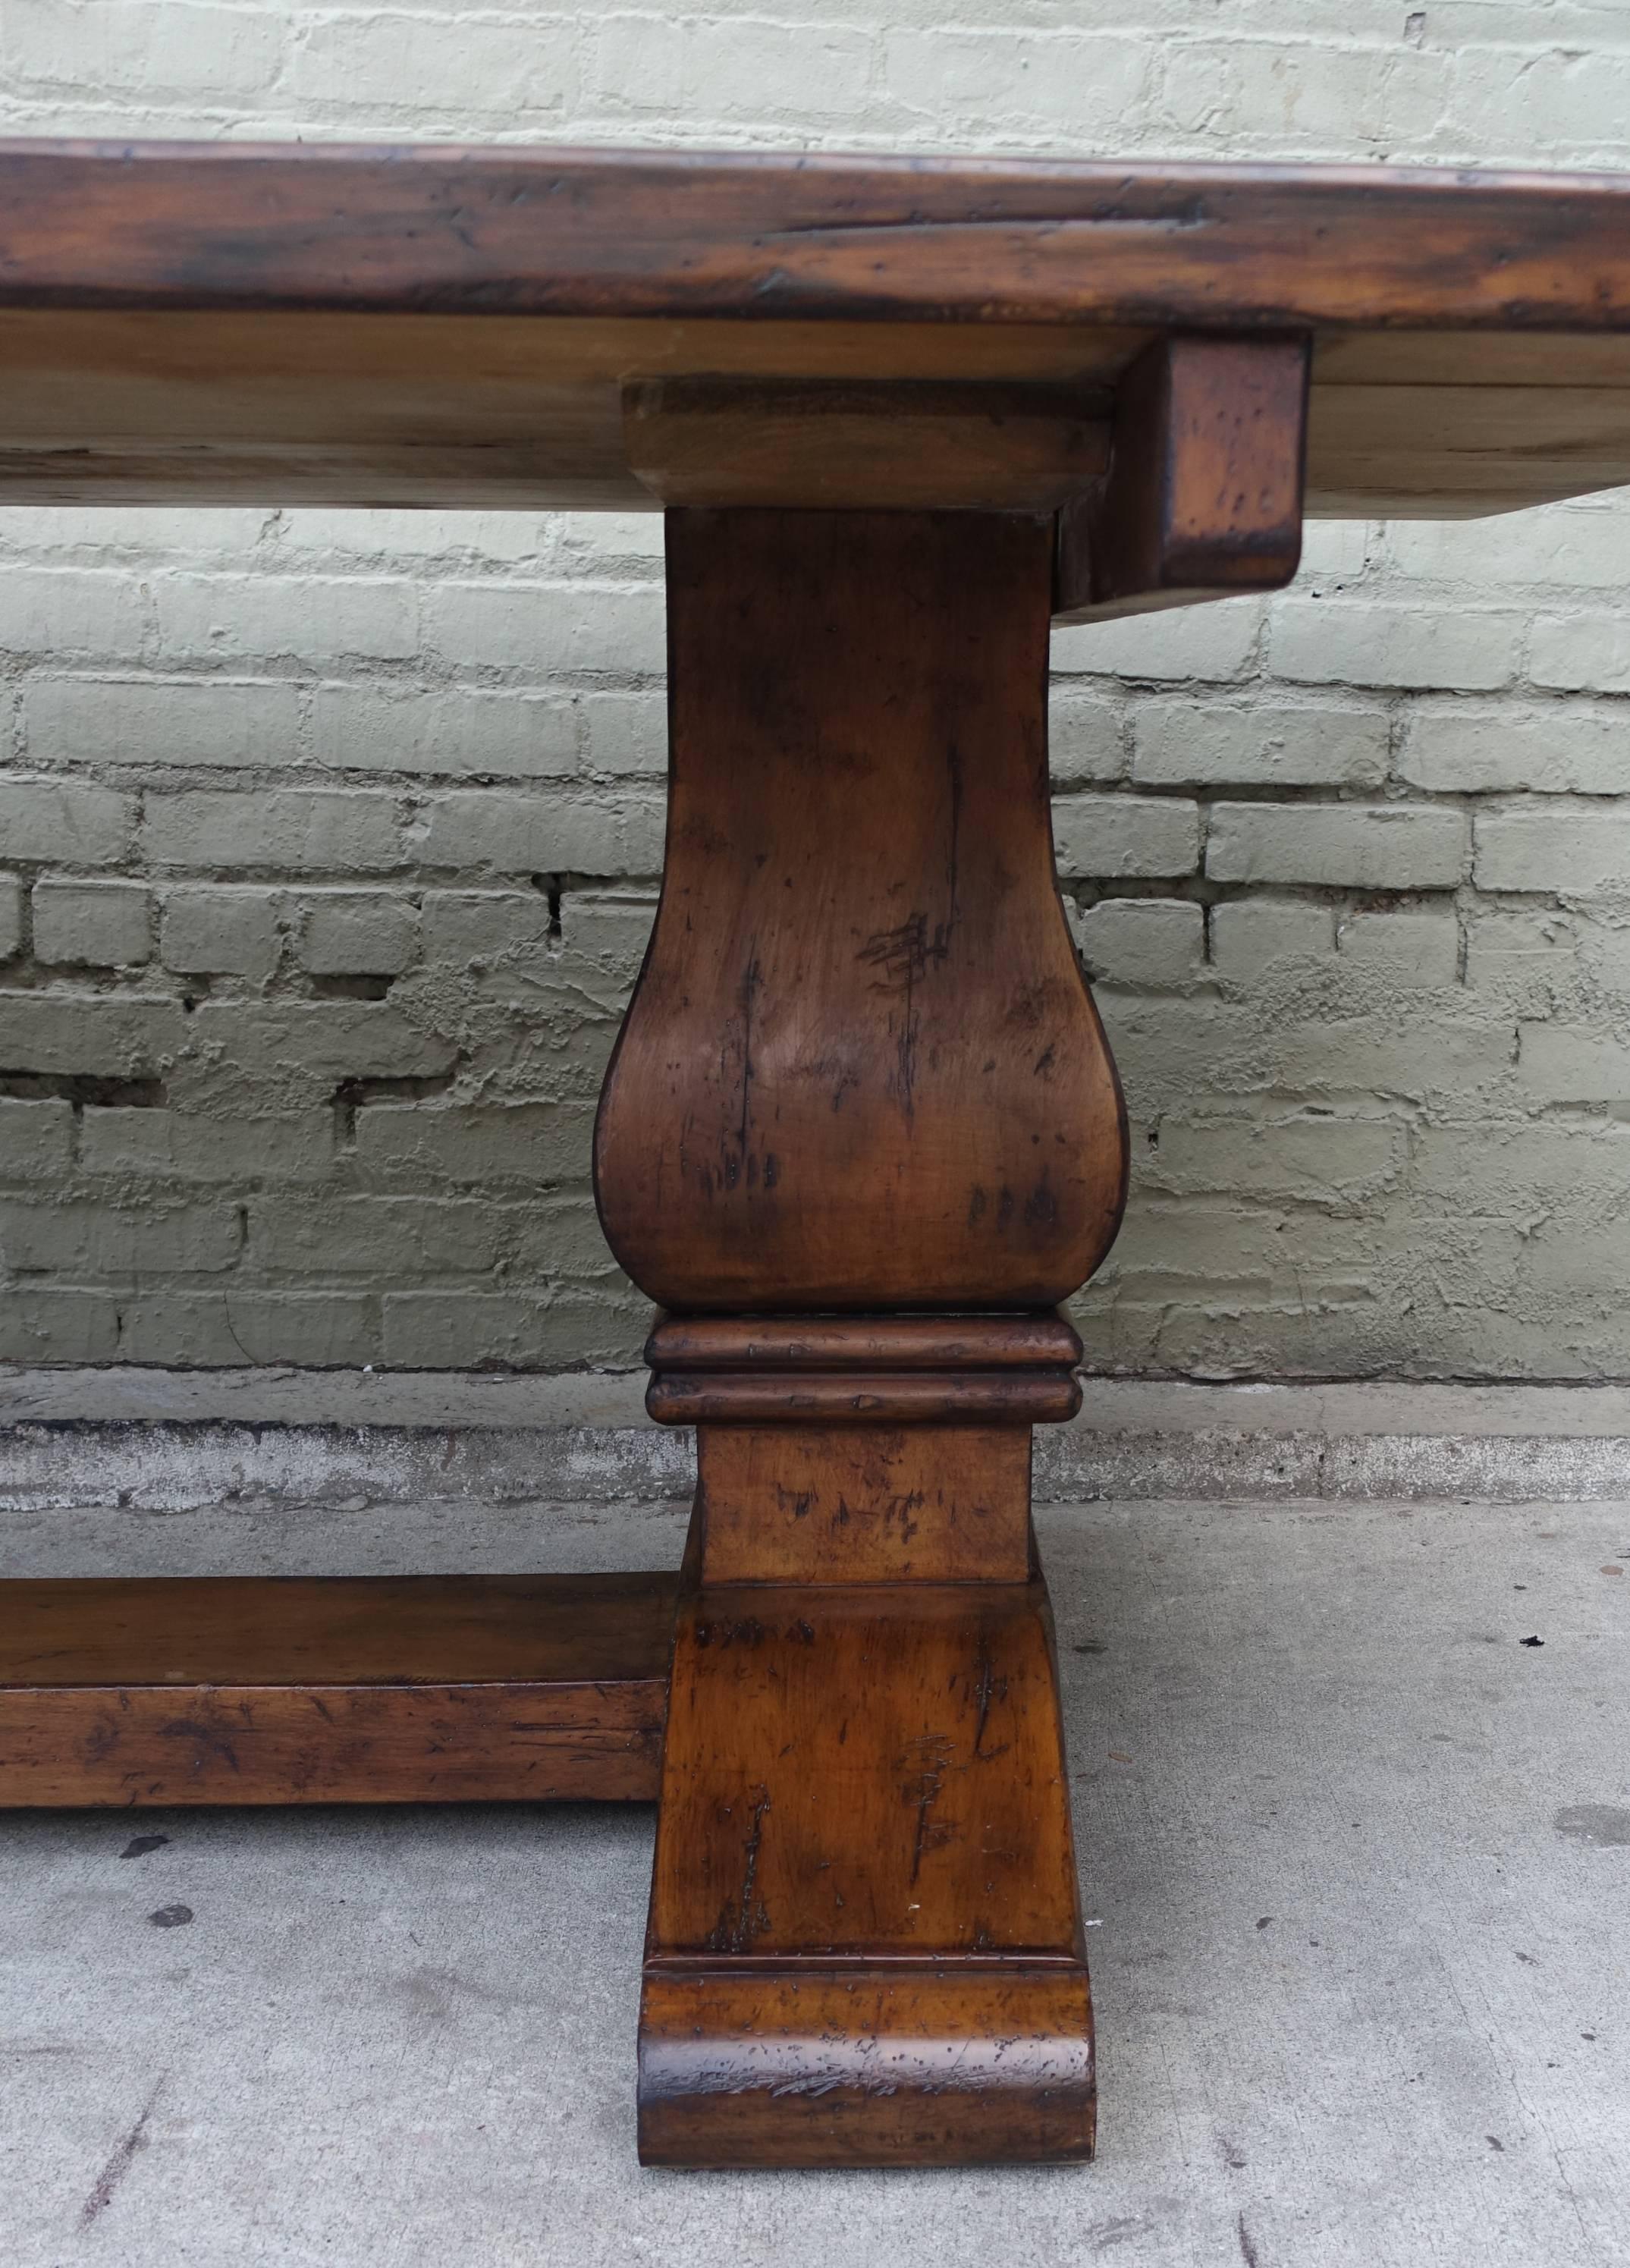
[{"x": 1358, "y": 1860}]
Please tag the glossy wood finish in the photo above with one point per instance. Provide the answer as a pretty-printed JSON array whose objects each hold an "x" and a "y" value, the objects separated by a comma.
[
  {"x": 680, "y": 233},
  {"x": 586, "y": 328},
  {"x": 861, "y": 1126},
  {"x": 375, "y": 1689},
  {"x": 1202, "y": 497},
  {"x": 873, "y": 2066},
  {"x": 693, "y": 1343},
  {"x": 864, "y": 1945},
  {"x": 861, "y": 1069}
]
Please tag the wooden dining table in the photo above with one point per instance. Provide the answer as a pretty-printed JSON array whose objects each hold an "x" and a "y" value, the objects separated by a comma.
[{"x": 862, "y": 1133}]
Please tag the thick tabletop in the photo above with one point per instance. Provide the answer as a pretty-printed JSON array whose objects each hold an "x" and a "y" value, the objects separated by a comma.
[{"x": 440, "y": 326}]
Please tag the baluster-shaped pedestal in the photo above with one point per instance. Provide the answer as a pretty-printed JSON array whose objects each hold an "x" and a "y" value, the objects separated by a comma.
[{"x": 860, "y": 1136}]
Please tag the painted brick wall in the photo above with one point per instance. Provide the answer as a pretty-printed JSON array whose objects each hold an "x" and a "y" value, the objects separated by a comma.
[{"x": 328, "y": 841}]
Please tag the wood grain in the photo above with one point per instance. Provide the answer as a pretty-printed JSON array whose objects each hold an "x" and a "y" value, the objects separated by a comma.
[
  {"x": 864, "y": 1849},
  {"x": 1202, "y": 497},
  {"x": 669, "y": 233},
  {"x": 861, "y": 1069},
  {"x": 788, "y": 1503},
  {"x": 223, "y": 323},
  {"x": 334, "y": 1690},
  {"x": 887, "y": 445},
  {"x": 872, "y": 2066}
]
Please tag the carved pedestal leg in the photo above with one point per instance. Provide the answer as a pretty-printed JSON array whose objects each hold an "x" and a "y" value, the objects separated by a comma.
[{"x": 862, "y": 1132}]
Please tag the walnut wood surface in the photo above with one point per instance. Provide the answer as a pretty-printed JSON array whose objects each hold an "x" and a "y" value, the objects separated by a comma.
[
  {"x": 861, "y": 1069},
  {"x": 866, "y": 1504},
  {"x": 516, "y": 328},
  {"x": 827, "y": 445},
  {"x": 863, "y": 1854},
  {"x": 671, "y": 234},
  {"x": 370, "y": 1690},
  {"x": 1202, "y": 497},
  {"x": 873, "y": 2066},
  {"x": 884, "y": 1397},
  {"x": 864, "y": 1342}
]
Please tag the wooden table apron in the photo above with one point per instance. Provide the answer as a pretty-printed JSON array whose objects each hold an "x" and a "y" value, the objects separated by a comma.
[{"x": 861, "y": 1134}]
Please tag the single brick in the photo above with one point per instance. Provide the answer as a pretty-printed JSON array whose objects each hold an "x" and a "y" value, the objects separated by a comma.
[
  {"x": 1196, "y": 744},
  {"x": 311, "y": 618},
  {"x": 1572, "y": 1063},
  {"x": 1572, "y": 1261},
  {"x": 145, "y": 47},
  {"x": 321, "y": 1329},
  {"x": 587, "y": 541},
  {"x": 322, "y": 1039},
  {"x": 1156, "y": 941},
  {"x": 644, "y": 835},
  {"x": 311, "y": 831},
  {"x": 542, "y": 834},
  {"x": 57, "y": 610},
  {"x": 453, "y": 1330},
  {"x": 36, "y": 1139},
  {"x": 1248, "y": 934},
  {"x": 1573, "y": 851},
  {"x": 682, "y": 66},
  {"x": 1383, "y": 846},
  {"x": 400, "y": 1239},
  {"x": 540, "y": 629},
  {"x": 10, "y": 915},
  {"x": 1520, "y": 948},
  {"x": 129, "y": 1035},
  {"x": 1084, "y": 734},
  {"x": 222, "y": 931},
  {"x": 1572, "y": 101},
  {"x": 147, "y": 720},
  {"x": 1326, "y": 642},
  {"x": 1583, "y": 651},
  {"x": 79, "y": 1237},
  {"x": 39, "y": 1323},
  {"x": 515, "y": 65},
  {"x": 533, "y": 1143},
  {"x": 1102, "y": 836},
  {"x": 504, "y": 935},
  {"x": 103, "y": 925},
  {"x": 359, "y": 932},
  {"x": 1322, "y": 1161},
  {"x": 1562, "y": 748},
  {"x": 1318, "y": 94},
  {"x": 1521, "y": 1167},
  {"x": 1216, "y": 642},
  {"x": 553, "y": 1237},
  {"x": 65, "y": 823},
  {"x": 412, "y": 729},
  {"x": 1065, "y": 81},
  {"x": 151, "y": 1145},
  {"x": 1543, "y": 548},
  {"x": 1412, "y": 948},
  {"x": 609, "y": 927},
  {"x": 624, "y": 733}
]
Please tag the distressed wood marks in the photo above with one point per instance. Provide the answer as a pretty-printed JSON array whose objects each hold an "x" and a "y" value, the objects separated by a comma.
[
  {"x": 861, "y": 1070},
  {"x": 867, "y": 1503},
  {"x": 981, "y": 242},
  {"x": 1203, "y": 498},
  {"x": 333, "y": 1690},
  {"x": 863, "y": 1854},
  {"x": 866, "y": 2066}
]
